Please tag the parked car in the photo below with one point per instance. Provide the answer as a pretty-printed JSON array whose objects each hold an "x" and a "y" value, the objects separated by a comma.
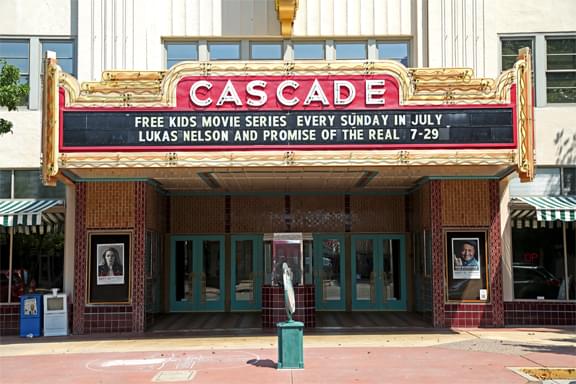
[{"x": 534, "y": 281}]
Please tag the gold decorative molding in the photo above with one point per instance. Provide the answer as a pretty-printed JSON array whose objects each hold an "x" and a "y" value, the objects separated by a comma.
[
  {"x": 286, "y": 10},
  {"x": 417, "y": 86},
  {"x": 525, "y": 116},
  {"x": 284, "y": 158},
  {"x": 50, "y": 121}
]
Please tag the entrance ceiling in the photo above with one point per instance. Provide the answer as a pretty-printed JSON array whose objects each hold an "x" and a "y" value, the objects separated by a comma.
[{"x": 289, "y": 179}]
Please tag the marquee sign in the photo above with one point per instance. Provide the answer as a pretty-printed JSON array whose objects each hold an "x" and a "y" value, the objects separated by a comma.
[
  {"x": 249, "y": 114},
  {"x": 277, "y": 112}
]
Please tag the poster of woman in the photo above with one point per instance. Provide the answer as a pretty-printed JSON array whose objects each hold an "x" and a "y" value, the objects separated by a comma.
[
  {"x": 110, "y": 264},
  {"x": 465, "y": 258}
]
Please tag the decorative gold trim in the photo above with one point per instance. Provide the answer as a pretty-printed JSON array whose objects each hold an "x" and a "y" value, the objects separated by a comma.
[
  {"x": 50, "y": 122},
  {"x": 286, "y": 10},
  {"x": 418, "y": 86},
  {"x": 525, "y": 116},
  {"x": 285, "y": 158},
  {"x": 424, "y": 86}
]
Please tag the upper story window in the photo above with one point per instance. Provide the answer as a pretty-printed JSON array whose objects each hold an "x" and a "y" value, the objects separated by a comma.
[
  {"x": 555, "y": 79},
  {"x": 17, "y": 53},
  {"x": 180, "y": 51},
  {"x": 64, "y": 53},
  {"x": 309, "y": 50},
  {"x": 510, "y": 48},
  {"x": 351, "y": 50},
  {"x": 561, "y": 70},
  {"x": 397, "y": 51},
  {"x": 202, "y": 50},
  {"x": 28, "y": 54},
  {"x": 224, "y": 50},
  {"x": 266, "y": 50}
]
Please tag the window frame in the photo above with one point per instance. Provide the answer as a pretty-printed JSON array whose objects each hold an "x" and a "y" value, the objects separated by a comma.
[
  {"x": 539, "y": 57},
  {"x": 166, "y": 43},
  {"x": 408, "y": 50},
  {"x": 550, "y": 71},
  {"x": 27, "y": 74}
]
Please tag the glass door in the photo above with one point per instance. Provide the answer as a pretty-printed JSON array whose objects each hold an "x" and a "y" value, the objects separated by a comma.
[
  {"x": 246, "y": 273},
  {"x": 197, "y": 273},
  {"x": 378, "y": 272},
  {"x": 329, "y": 272}
]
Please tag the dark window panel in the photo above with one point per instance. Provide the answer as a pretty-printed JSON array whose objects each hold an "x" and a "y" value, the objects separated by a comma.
[{"x": 561, "y": 45}]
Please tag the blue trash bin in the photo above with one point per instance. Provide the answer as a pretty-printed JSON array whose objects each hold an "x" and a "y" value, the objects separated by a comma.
[{"x": 31, "y": 315}]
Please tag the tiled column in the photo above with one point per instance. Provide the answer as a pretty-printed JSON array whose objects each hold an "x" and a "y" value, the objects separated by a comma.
[
  {"x": 79, "y": 261},
  {"x": 138, "y": 272},
  {"x": 495, "y": 252},
  {"x": 437, "y": 254}
]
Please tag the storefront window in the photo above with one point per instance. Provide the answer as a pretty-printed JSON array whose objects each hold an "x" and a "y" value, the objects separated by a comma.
[
  {"x": 37, "y": 264},
  {"x": 539, "y": 268}
]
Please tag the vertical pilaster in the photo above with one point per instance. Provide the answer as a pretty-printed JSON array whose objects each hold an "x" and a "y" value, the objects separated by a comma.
[
  {"x": 138, "y": 271},
  {"x": 495, "y": 252},
  {"x": 438, "y": 314},
  {"x": 80, "y": 274}
]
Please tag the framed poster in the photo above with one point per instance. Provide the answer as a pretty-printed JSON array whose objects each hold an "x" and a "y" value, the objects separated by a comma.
[
  {"x": 466, "y": 261},
  {"x": 109, "y": 262}
]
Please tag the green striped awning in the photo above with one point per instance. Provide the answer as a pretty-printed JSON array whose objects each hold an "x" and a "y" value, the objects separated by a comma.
[
  {"x": 550, "y": 208},
  {"x": 25, "y": 211}
]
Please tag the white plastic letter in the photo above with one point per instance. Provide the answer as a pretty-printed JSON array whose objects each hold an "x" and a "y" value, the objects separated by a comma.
[
  {"x": 371, "y": 91},
  {"x": 316, "y": 93},
  {"x": 228, "y": 95},
  {"x": 261, "y": 95},
  {"x": 338, "y": 85},
  {"x": 194, "y": 88},
  {"x": 280, "y": 93}
]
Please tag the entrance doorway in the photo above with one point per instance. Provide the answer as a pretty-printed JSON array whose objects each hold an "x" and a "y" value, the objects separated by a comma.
[
  {"x": 378, "y": 272},
  {"x": 330, "y": 272},
  {"x": 246, "y": 285},
  {"x": 197, "y": 271}
]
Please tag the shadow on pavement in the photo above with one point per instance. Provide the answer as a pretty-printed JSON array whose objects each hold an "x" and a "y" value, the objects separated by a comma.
[{"x": 266, "y": 363}]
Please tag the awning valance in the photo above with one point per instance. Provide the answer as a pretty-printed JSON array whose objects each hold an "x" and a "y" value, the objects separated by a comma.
[
  {"x": 551, "y": 208},
  {"x": 28, "y": 212}
]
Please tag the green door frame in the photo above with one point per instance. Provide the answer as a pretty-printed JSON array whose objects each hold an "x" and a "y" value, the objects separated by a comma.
[
  {"x": 257, "y": 271},
  {"x": 335, "y": 305},
  {"x": 197, "y": 267},
  {"x": 379, "y": 302}
]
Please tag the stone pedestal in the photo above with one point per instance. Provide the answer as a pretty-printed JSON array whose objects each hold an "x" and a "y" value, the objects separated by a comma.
[{"x": 290, "y": 345}]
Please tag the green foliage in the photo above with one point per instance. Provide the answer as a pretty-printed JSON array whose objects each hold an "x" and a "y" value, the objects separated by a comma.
[{"x": 11, "y": 92}]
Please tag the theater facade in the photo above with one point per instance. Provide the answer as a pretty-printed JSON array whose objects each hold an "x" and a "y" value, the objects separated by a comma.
[{"x": 369, "y": 179}]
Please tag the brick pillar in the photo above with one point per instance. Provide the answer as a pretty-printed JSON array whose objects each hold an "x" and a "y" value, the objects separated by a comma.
[
  {"x": 138, "y": 270},
  {"x": 495, "y": 253},
  {"x": 438, "y": 315},
  {"x": 79, "y": 261}
]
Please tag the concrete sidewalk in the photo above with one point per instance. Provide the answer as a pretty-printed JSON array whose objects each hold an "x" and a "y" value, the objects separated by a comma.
[{"x": 411, "y": 356}]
